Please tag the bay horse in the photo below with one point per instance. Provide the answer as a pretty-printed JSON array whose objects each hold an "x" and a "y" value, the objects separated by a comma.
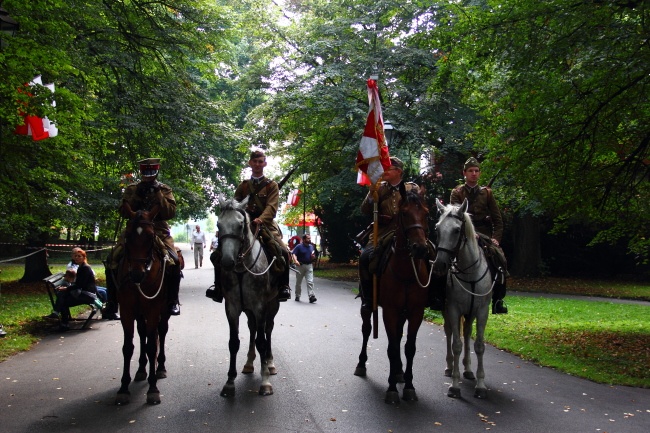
[
  {"x": 248, "y": 287},
  {"x": 403, "y": 294},
  {"x": 469, "y": 289},
  {"x": 142, "y": 297}
]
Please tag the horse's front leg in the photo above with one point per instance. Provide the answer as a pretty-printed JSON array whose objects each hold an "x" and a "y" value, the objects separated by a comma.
[
  {"x": 228, "y": 389},
  {"x": 141, "y": 326},
  {"x": 414, "y": 323},
  {"x": 393, "y": 333},
  {"x": 467, "y": 355},
  {"x": 123, "y": 394},
  {"x": 449, "y": 358},
  {"x": 456, "y": 347},
  {"x": 249, "y": 367},
  {"x": 366, "y": 328},
  {"x": 163, "y": 328},
  {"x": 270, "y": 324},
  {"x": 480, "y": 391},
  {"x": 153, "y": 394},
  {"x": 262, "y": 347}
]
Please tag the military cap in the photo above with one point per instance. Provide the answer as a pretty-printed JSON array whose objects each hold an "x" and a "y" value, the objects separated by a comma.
[
  {"x": 396, "y": 162},
  {"x": 150, "y": 161},
  {"x": 471, "y": 162}
]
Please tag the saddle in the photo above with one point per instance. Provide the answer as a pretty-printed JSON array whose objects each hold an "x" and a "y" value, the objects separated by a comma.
[
  {"x": 495, "y": 257},
  {"x": 381, "y": 254}
]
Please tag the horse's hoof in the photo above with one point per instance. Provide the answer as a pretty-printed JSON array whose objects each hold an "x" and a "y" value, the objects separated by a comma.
[
  {"x": 153, "y": 398},
  {"x": 248, "y": 369},
  {"x": 266, "y": 390},
  {"x": 409, "y": 395},
  {"x": 140, "y": 376},
  {"x": 273, "y": 371},
  {"x": 360, "y": 371},
  {"x": 469, "y": 375},
  {"x": 161, "y": 374},
  {"x": 122, "y": 399},
  {"x": 228, "y": 391},
  {"x": 399, "y": 377},
  {"x": 453, "y": 392},
  {"x": 480, "y": 393},
  {"x": 392, "y": 397}
]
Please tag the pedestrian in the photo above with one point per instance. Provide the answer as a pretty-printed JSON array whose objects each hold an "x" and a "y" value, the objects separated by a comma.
[
  {"x": 215, "y": 241},
  {"x": 304, "y": 255},
  {"x": 197, "y": 244},
  {"x": 263, "y": 199},
  {"x": 486, "y": 217}
]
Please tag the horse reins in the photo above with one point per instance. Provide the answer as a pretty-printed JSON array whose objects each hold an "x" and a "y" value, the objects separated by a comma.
[{"x": 243, "y": 242}]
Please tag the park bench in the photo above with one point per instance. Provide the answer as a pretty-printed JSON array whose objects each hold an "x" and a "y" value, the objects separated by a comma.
[{"x": 52, "y": 283}]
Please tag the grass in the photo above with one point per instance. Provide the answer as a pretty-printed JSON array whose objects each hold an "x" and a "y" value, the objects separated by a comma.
[{"x": 600, "y": 341}]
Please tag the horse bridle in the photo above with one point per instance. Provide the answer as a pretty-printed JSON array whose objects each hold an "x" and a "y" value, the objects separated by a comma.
[
  {"x": 148, "y": 261},
  {"x": 461, "y": 238},
  {"x": 242, "y": 240}
]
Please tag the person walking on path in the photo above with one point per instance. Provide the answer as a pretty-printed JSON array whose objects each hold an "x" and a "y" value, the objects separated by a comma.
[
  {"x": 303, "y": 256},
  {"x": 197, "y": 244}
]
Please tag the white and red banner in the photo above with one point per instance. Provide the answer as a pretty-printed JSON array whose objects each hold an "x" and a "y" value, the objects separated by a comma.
[{"x": 373, "y": 157}]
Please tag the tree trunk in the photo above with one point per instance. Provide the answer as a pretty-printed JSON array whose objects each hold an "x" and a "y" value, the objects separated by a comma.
[
  {"x": 36, "y": 267},
  {"x": 526, "y": 251}
]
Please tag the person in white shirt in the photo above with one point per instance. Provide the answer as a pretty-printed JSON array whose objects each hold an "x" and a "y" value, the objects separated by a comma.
[
  {"x": 198, "y": 244},
  {"x": 215, "y": 242}
]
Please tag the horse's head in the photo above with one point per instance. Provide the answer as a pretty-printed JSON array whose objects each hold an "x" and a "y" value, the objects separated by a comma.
[
  {"x": 412, "y": 222},
  {"x": 234, "y": 230},
  {"x": 450, "y": 233},
  {"x": 139, "y": 242}
]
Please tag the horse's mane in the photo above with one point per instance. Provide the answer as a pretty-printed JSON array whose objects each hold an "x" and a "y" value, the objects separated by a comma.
[
  {"x": 416, "y": 198},
  {"x": 470, "y": 232}
]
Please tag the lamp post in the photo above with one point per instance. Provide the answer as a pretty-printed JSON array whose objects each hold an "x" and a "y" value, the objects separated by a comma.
[
  {"x": 304, "y": 176},
  {"x": 8, "y": 25},
  {"x": 389, "y": 131}
]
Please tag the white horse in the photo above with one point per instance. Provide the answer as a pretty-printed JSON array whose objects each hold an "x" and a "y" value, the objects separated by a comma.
[
  {"x": 469, "y": 290},
  {"x": 248, "y": 288}
]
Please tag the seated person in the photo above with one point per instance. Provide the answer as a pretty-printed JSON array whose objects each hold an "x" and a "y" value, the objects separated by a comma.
[{"x": 82, "y": 290}]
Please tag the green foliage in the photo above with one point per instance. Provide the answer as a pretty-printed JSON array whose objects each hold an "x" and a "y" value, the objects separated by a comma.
[{"x": 563, "y": 112}]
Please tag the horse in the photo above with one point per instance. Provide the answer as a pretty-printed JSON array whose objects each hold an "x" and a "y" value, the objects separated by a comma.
[
  {"x": 403, "y": 295},
  {"x": 142, "y": 297},
  {"x": 469, "y": 289},
  {"x": 248, "y": 287}
]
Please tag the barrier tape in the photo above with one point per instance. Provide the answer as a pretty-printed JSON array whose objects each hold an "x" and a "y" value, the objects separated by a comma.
[{"x": 54, "y": 251}]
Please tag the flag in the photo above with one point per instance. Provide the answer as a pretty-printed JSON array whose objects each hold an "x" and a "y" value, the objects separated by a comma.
[{"x": 372, "y": 158}]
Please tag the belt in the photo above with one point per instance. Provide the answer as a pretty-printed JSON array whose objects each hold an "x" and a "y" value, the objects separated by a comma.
[{"x": 305, "y": 263}]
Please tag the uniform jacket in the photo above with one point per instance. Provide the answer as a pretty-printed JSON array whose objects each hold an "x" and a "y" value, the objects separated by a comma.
[
  {"x": 265, "y": 206},
  {"x": 144, "y": 195},
  {"x": 388, "y": 206},
  {"x": 482, "y": 208}
]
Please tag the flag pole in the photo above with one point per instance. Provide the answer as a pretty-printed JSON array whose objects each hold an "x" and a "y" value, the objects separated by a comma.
[{"x": 375, "y": 234}]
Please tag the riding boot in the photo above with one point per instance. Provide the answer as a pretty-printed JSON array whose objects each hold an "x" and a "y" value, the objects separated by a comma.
[
  {"x": 365, "y": 278},
  {"x": 498, "y": 293},
  {"x": 284, "y": 291},
  {"x": 216, "y": 294},
  {"x": 109, "y": 312},
  {"x": 172, "y": 291},
  {"x": 437, "y": 292}
]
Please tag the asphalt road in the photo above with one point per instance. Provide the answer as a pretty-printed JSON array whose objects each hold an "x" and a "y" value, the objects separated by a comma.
[{"x": 67, "y": 382}]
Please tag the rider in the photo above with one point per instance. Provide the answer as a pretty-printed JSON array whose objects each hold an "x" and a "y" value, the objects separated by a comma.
[
  {"x": 388, "y": 207},
  {"x": 262, "y": 206},
  {"x": 486, "y": 217},
  {"x": 145, "y": 195}
]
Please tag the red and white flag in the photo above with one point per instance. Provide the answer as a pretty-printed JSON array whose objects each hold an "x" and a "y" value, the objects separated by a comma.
[{"x": 372, "y": 158}]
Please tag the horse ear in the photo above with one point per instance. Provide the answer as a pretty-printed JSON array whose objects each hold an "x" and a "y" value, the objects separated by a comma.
[
  {"x": 127, "y": 209},
  {"x": 222, "y": 200},
  {"x": 463, "y": 207},
  {"x": 244, "y": 202},
  {"x": 441, "y": 207},
  {"x": 402, "y": 189}
]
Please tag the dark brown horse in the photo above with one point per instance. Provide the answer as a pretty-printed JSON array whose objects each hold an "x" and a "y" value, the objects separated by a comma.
[
  {"x": 142, "y": 297},
  {"x": 403, "y": 294}
]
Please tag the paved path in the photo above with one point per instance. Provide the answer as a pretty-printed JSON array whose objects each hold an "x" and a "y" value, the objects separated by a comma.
[{"x": 67, "y": 383}]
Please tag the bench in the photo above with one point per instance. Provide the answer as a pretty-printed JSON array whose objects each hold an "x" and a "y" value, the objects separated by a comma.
[{"x": 52, "y": 283}]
